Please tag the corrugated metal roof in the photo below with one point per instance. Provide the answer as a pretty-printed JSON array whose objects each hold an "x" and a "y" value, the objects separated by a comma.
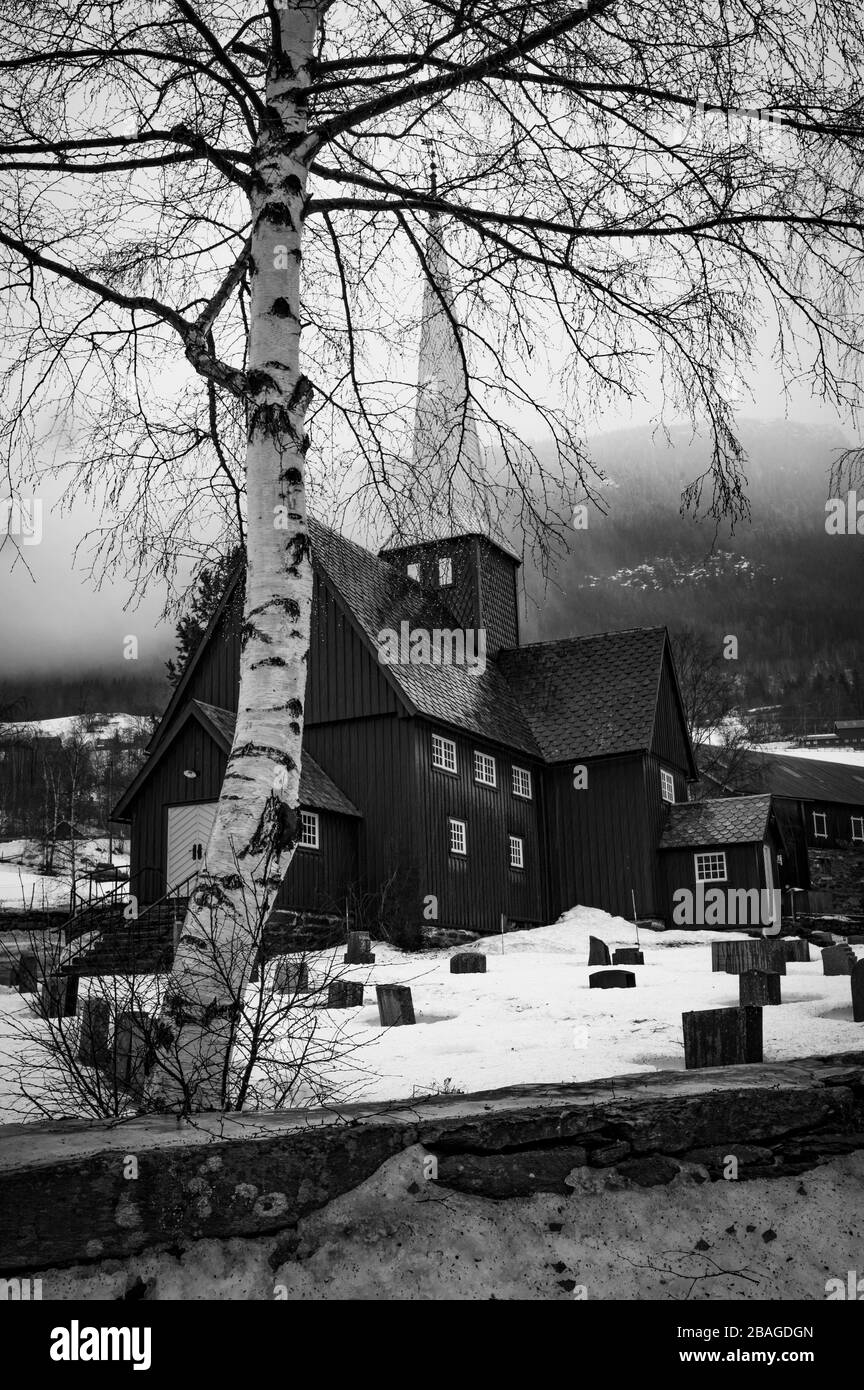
[{"x": 726, "y": 821}]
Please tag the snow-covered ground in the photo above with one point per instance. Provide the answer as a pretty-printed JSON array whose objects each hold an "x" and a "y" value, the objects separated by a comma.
[
  {"x": 23, "y": 886},
  {"x": 533, "y": 1017}
]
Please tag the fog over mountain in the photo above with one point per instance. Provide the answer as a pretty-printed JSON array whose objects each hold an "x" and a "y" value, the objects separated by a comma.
[{"x": 792, "y": 594}]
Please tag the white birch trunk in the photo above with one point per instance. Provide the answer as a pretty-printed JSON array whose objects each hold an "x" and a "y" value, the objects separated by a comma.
[{"x": 256, "y": 827}]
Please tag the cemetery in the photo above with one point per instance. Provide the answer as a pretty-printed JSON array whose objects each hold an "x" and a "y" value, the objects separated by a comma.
[{"x": 485, "y": 1073}]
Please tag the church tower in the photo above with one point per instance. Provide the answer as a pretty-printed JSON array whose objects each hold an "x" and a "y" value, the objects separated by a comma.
[{"x": 446, "y": 540}]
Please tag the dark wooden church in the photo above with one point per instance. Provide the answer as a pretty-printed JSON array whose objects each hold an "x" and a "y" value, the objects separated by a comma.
[{"x": 539, "y": 778}]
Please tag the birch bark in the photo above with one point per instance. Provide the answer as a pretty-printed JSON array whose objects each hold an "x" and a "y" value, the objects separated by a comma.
[{"x": 255, "y": 831}]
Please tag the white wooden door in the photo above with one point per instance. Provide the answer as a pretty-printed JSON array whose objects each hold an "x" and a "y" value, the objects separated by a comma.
[{"x": 188, "y": 832}]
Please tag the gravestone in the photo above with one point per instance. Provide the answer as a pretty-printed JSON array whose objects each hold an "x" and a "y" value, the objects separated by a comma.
[
  {"x": 344, "y": 994},
  {"x": 93, "y": 1048},
  {"x": 468, "y": 963},
  {"x": 26, "y": 977},
  {"x": 758, "y": 987},
  {"x": 795, "y": 949},
  {"x": 838, "y": 960},
  {"x": 358, "y": 952},
  {"x": 60, "y": 996},
  {"x": 131, "y": 1050},
  {"x": 628, "y": 955},
  {"x": 734, "y": 957},
  {"x": 722, "y": 1037},
  {"x": 612, "y": 979},
  {"x": 394, "y": 1005},
  {"x": 291, "y": 977},
  {"x": 857, "y": 982},
  {"x": 598, "y": 952}
]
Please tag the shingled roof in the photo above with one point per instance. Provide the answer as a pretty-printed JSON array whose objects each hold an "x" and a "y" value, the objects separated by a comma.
[
  {"x": 589, "y": 697},
  {"x": 379, "y": 595},
  {"x": 317, "y": 791},
  {"x": 728, "y": 820}
]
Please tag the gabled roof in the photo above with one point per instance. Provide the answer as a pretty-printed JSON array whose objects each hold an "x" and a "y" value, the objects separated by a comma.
[
  {"x": 800, "y": 779},
  {"x": 317, "y": 791},
  {"x": 589, "y": 697},
  {"x": 378, "y": 596},
  {"x": 729, "y": 820}
]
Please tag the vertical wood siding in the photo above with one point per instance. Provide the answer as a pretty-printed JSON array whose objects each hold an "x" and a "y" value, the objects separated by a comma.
[
  {"x": 602, "y": 839},
  {"x": 473, "y": 891}
]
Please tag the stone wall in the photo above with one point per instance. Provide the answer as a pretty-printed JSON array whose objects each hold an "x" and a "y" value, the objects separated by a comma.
[
  {"x": 73, "y": 1192},
  {"x": 840, "y": 872}
]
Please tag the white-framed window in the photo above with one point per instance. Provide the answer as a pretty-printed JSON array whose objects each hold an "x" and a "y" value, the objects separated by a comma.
[
  {"x": 858, "y": 827},
  {"x": 458, "y": 836},
  {"x": 309, "y": 830},
  {"x": 444, "y": 753},
  {"x": 414, "y": 572},
  {"x": 522, "y": 783},
  {"x": 820, "y": 825},
  {"x": 517, "y": 852},
  {"x": 667, "y": 785},
  {"x": 445, "y": 571},
  {"x": 711, "y": 867},
  {"x": 484, "y": 769}
]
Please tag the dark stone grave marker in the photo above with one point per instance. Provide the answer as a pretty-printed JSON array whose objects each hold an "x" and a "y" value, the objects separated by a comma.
[
  {"x": 734, "y": 957},
  {"x": 795, "y": 949},
  {"x": 358, "y": 952},
  {"x": 93, "y": 1050},
  {"x": 758, "y": 987},
  {"x": 838, "y": 960},
  {"x": 468, "y": 963},
  {"x": 27, "y": 974},
  {"x": 612, "y": 979},
  {"x": 132, "y": 1056},
  {"x": 344, "y": 994},
  {"x": 598, "y": 952},
  {"x": 722, "y": 1037},
  {"x": 628, "y": 955},
  {"x": 857, "y": 982},
  {"x": 291, "y": 977},
  {"x": 394, "y": 1005}
]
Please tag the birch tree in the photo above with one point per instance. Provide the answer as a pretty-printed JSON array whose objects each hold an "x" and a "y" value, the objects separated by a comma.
[{"x": 214, "y": 220}]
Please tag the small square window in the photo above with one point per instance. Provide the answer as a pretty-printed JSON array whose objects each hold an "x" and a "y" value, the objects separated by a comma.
[
  {"x": 522, "y": 783},
  {"x": 309, "y": 830},
  {"x": 414, "y": 572},
  {"x": 711, "y": 868},
  {"x": 858, "y": 827},
  {"x": 667, "y": 786},
  {"x": 458, "y": 836},
  {"x": 517, "y": 852},
  {"x": 484, "y": 769},
  {"x": 445, "y": 571},
  {"x": 820, "y": 825},
  {"x": 443, "y": 753}
]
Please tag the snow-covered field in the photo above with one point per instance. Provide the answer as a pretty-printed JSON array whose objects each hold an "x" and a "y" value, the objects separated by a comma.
[
  {"x": 23, "y": 886},
  {"x": 533, "y": 1017}
]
